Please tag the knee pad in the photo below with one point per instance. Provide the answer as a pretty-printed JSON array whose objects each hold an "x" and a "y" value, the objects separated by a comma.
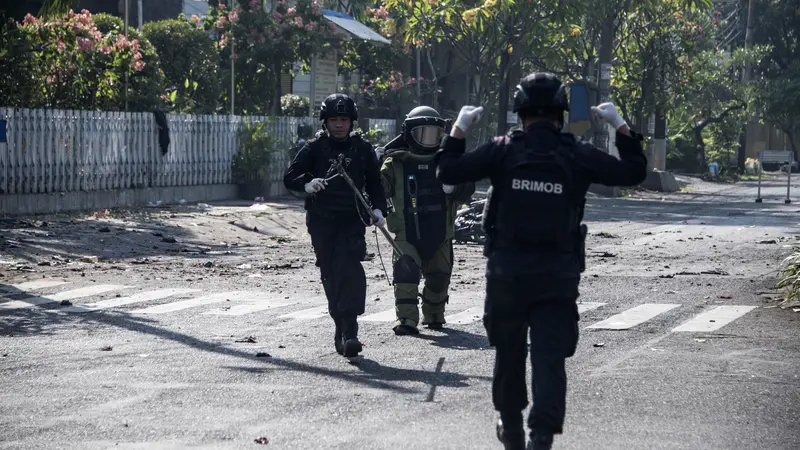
[
  {"x": 437, "y": 281},
  {"x": 405, "y": 271}
]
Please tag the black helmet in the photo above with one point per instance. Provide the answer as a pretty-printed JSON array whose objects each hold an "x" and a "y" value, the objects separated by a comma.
[
  {"x": 540, "y": 92},
  {"x": 424, "y": 128},
  {"x": 338, "y": 105}
]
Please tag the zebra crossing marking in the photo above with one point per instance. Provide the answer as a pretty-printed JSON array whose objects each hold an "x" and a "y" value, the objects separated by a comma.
[
  {"x": 240, "y": 310},
  {"x": 72, "y": 294},
  {"x": 588, "y": 306},
  {"x": 257, "y": 301},
  {"x": 714, "y": 319},
  {"x": 465, "y": 317},
  {"x": 384, "y": 316},
  {"x": 200, "y": 301},
  {"x": 34, "y": 285},
  {"x": 308, "y": 314},
  {"x": 122, "y": 301},
  {"x": 632, "y": 317}
]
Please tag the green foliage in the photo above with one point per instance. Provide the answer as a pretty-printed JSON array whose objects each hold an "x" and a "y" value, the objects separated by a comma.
[
  {"x": 294, "y": 105},
  {"x": 264, "y": 45},
  {"x": 375, "y": 136},
  {"x": 789, "y": 278},
  {"x": 253, "y": 160},
  {"x": 68, "y": 63},
  {"x": 190, "y": 62}
]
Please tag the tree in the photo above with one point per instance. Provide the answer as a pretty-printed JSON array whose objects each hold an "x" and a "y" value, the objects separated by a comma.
[
  {"x": 264, "y": 45},
  {"x": 190, "y": 62}
]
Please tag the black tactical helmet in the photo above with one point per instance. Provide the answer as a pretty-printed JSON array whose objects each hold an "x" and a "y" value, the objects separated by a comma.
[
  {"x": 540, "y": 92},
  {"x": 424, "y": 128},
  {"x": 338, "y": 105}
]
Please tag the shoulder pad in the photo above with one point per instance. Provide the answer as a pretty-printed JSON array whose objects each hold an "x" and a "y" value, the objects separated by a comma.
[
  {"x": 318, "y": 136},
  {"x": 355, "y": 134}
]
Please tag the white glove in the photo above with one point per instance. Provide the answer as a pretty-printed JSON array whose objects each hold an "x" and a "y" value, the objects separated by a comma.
[
  {"x": 315, "y": 185},
  {"x": 608, "y": 112},
  {"x": 379, "y": 152},
  {"x": 448, "y": 188},
  {"x": 379, "y": 215},
  {"x": 468, "y": 116}
]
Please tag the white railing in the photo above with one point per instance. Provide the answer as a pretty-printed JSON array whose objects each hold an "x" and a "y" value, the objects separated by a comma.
[{"x": 66, "y": 151}]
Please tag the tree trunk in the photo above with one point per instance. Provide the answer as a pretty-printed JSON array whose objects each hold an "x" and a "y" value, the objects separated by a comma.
[
  {"x": 701, "y": 146},
  {"x": 502, "y": 98}
]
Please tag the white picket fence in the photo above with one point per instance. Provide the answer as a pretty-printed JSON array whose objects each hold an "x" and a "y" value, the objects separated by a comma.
[{"x": 50, "y": 151}]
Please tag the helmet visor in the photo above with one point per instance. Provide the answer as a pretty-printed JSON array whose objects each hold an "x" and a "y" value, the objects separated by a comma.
[{"x": 427, "y": 135}]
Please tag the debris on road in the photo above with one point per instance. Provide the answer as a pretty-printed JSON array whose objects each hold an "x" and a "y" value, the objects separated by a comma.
[
  {"x": 262, "y": 440},
  {"x": 107, "y": 348},
  {"x": 600, "y": 344},
  {"x": 248, "y": 339},
  {"x": 263, "y": 355}
]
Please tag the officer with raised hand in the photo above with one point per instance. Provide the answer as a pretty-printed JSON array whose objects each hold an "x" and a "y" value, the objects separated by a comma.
[
  {"x": 535, "y": 243},
  {"x": 335, "y": 218}
]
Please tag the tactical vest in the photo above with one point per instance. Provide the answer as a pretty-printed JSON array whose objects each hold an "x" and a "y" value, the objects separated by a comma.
[
  {"x": 338, "y": 196},
  {"x": 425, "y": 206},
  {"x": 536, "y": 204}
]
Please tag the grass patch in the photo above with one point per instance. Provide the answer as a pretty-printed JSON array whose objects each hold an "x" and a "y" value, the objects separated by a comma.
[{"x": 789, "y": 279}]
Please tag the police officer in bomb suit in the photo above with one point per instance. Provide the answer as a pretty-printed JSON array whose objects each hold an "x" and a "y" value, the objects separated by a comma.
[{"x": 422, "y": 218}]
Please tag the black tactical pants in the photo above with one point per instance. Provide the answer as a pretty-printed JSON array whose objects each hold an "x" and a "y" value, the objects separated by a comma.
[
  {"x": 548, "y": 307},
  {"x": 339, "y": 245}
]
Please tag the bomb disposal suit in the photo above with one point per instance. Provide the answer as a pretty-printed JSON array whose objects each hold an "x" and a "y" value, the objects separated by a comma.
[
  {"x": 335, "y": 218},
  {"x": 422, "y": 219},
  {"x": 539, "y": 179}
]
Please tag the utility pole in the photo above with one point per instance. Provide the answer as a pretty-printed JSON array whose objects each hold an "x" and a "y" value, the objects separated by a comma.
[
  {"x": 746, "y": 77},
  {"x": 605, "y": 57},
  {"x": 233, "y": 72},
  {"x": 126, "y": 37},
  {"x": 139, "y": 14}
]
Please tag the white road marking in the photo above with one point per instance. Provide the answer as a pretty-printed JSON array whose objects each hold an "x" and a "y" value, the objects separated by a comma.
[
  {"x": 632, "y": 317},
  {"x": 384, "y": 316},
  {"x": 66, "y": 295},
  {"x": 588, "y": 306},
  {"x": 122, "y": 301},
  {"x": 464, "y": 317},
  {"x": 34, "y": 285},
  {"x": 240, "y": 310},
  {"x": 200, "y": 301},
  {"x": 714, "y": 319},
  {"x": 308, "y": 314}
]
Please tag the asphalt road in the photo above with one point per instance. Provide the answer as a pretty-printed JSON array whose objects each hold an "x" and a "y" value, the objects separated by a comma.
[{"x": 156, "y": 343}]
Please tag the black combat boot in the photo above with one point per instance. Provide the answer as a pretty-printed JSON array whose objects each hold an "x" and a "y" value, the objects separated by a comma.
[
  {"x": 351, "y": 345},
  {"x": 540, "y": 441},
  {"x": 511, "y": 432}
]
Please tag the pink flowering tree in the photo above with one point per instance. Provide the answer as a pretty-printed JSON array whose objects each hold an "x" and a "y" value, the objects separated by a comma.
[
  {"x": 383, "y": 83},
  {"x": 394, "y": 89},
  {"x": 69, "y": 63},
  {"x": 265, "y": 45}
]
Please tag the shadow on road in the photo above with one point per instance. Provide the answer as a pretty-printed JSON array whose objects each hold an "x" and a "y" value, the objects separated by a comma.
[{"x": 46, "y": 320}]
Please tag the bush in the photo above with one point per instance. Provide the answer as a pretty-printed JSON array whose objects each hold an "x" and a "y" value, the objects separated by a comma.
[
  {"x": 257, "y": 145},
  {"x": 70, "y": 63},
  {"x": 789, "y": 279},
  {"x": 294, "y": 105},
  {"x": 190, "y": 63}
]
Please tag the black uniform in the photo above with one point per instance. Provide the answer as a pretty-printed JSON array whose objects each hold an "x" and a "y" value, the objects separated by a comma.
[
  {"x": 337, "y": 223},
  {"x": 535, "y": 253}
]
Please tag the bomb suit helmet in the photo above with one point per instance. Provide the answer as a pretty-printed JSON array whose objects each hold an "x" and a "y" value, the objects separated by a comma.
[{"x": 423, "y": 129}]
